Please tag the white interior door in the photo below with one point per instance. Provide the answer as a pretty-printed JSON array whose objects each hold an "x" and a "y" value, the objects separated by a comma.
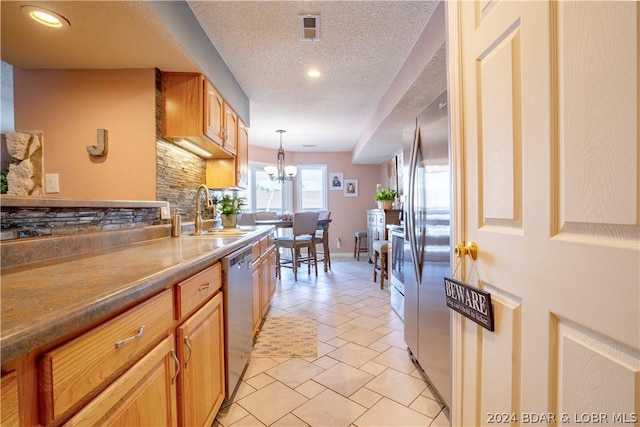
[{"x": 544, "y": 112}]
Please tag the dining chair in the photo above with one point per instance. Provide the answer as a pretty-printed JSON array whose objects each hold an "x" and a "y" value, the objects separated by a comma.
[
  {"x": 246, "y": 218},
  {"x": 305, "y": 225},
  {"x": 321, "y": 237}
]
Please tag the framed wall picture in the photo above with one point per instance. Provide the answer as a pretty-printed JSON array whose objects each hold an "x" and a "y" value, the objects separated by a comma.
[
  {"x": 335, "y": 181},
  {"x": 392, "y": 173},
  {"x": 350, "y": 188}
]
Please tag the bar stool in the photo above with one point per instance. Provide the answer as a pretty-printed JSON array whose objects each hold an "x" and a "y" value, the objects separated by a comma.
[
  {"x": 360, "y": 237},
  {"x": 380, "y": 250}
]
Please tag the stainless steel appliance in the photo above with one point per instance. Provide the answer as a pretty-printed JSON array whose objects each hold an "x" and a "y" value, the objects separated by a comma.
[
  {"x": 237, "y": 293},
  {"x": 427, "y": 257},
  {"x": 396, "y": 290}
]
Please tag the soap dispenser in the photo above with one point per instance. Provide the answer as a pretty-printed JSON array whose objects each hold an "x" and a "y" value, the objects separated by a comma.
[{"x": 176, "y": 223}]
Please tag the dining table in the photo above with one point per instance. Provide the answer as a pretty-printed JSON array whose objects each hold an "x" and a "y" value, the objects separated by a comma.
[{"x": 288, "y": 223}]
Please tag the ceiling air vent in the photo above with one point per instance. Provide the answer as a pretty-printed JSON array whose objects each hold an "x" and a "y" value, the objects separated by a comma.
[{"x": 309, "y": 27}]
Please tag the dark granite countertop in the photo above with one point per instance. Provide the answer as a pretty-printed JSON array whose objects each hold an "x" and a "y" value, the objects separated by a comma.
[{"x": 43, "y": 302}]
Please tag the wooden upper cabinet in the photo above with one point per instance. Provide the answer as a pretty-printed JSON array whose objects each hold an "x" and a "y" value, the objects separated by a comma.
[
  {"x": 242, "y": 155},
  {"x": 192, "y": 110},
  {"x": 230, "y": 129},
  {"x": 231, "y": 173},
  {"x": 214, "y": 114}
]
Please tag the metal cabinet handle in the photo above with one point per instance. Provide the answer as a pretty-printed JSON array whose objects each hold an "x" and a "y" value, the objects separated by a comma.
[
  {"x": 133, "y": 338},
  {"x": 175, "y": 359},
  {"x": 188, "y": 344},
  {"x": 205, "y": 286}
]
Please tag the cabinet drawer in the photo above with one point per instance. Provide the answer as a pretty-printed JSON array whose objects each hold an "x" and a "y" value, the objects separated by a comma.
[
  {"x": 79, "y": 368},
  {"x": 264, "y": 244},
  {"x": 196, "y": 290},
  {"x": 255, "y": 251}
]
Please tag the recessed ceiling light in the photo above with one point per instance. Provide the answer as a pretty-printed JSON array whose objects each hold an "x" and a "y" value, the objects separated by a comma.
[
  {"x": 46, "y": 17},
  {"x": 313, "y": 73}
]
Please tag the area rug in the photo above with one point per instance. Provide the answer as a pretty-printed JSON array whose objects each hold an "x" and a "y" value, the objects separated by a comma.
[{"x": 288, "y": 336}]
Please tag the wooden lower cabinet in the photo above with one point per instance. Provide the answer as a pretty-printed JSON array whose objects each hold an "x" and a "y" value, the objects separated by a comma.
[
  {"x": 145, "y": 395},
  {"x": 256, "y": 286},
  {"x": 78, "y": 369},
  {"x": 268, "y": 278},
  {"x": 263, "y": 285},
  {"x": 159, "y": 363},
  {"x": 9, "y": 409},
  {"x": 200, "y": 344},
  {"x": 377, "y": 221}
]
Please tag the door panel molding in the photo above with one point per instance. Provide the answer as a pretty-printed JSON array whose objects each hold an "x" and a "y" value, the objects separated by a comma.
[
  {"x": 596, "y": 185},
  {"x": 593, "y": 371},
  {"x": 499, "y": 96}
]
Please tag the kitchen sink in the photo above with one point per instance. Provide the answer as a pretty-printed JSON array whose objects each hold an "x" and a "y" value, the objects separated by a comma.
[{"x": 222, "y": 232}]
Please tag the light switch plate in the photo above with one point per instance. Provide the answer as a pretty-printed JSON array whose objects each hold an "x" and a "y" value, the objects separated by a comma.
[
  {"x": 51, "y": 183},
  {"x": 164, "y": 212}
]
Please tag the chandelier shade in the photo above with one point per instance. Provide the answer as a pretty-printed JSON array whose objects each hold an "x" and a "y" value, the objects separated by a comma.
[{"x": 280, "y": 172}]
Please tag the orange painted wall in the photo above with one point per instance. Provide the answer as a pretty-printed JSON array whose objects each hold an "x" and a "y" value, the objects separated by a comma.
[{"x": 69, "y": 106}]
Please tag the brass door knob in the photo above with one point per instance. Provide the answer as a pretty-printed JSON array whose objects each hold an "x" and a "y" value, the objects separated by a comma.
[{"x": 467, "y": 248}]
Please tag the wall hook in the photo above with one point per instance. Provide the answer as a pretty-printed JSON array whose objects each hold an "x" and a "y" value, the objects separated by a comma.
[{"x": 102, "y": 146}]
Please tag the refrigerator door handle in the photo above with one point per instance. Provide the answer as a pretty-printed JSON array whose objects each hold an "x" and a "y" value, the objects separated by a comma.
[{"x": 413, "y": 166}]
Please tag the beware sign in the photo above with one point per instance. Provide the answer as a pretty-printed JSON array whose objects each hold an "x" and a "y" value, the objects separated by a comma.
[{"x": 470, "y": 302}]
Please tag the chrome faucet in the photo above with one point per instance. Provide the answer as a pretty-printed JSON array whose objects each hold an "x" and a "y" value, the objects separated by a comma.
[{"x": 198, "y": 222}]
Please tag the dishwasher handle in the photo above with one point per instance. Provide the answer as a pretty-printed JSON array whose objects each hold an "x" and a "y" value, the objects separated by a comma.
[{"x": 241, "y": 258}]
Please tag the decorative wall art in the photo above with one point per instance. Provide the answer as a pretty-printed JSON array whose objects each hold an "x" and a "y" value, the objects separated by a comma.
[
  {"x": 350, "y": 188},
  {"x": 400, "y": 171},
  {"x": 335, "y": 181},
  {"x": 392, "y": 174}
]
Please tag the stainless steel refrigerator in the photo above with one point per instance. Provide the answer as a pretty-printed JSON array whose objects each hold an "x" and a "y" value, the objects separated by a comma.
[{"x": 427, "y": 247}]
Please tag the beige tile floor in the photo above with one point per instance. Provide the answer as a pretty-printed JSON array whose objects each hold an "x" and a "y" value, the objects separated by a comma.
[{"x": 362, "y": 375}]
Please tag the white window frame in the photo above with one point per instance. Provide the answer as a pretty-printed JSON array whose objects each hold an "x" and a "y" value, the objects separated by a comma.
[
  {"x": 287, "y": 191},
  {"x": 325, "y": 196}
]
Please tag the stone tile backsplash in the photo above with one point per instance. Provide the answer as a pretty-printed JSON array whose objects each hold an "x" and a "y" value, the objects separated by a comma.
[{"x": 20, "y": 222}]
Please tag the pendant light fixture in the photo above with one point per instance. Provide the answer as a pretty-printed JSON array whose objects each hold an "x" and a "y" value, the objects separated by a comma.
[{"x": 281, "y": 172}]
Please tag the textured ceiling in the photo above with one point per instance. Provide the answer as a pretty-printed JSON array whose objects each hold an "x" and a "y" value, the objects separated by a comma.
[{"x": 363, "y": 46}]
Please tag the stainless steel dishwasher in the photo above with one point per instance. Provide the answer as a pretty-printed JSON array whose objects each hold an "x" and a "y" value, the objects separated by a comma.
[{"x": 236, "y": 289}]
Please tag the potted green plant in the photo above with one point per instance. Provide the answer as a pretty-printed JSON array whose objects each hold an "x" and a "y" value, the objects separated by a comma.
[
  {"x": 229, "y": 207},
  {"x": 385, "y": 198}
]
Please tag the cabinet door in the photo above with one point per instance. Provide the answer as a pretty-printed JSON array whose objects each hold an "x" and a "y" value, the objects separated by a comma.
[
  {"x": 213, "y": 114},
  {"x": 372, "y": 232},
  {"x": 256, "y": 305},
  {"x": 144, "y": 395},
  {"x": 265, "y": 287},
  {"x": 270, "y": 272},
  {"x": 201, "y": 353},
  {"x": 230, "y": 129},
  {"x": 182, "y": 104},
  {"x": 242, "y": 155},
  {"x": 9, "y": 415}
]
